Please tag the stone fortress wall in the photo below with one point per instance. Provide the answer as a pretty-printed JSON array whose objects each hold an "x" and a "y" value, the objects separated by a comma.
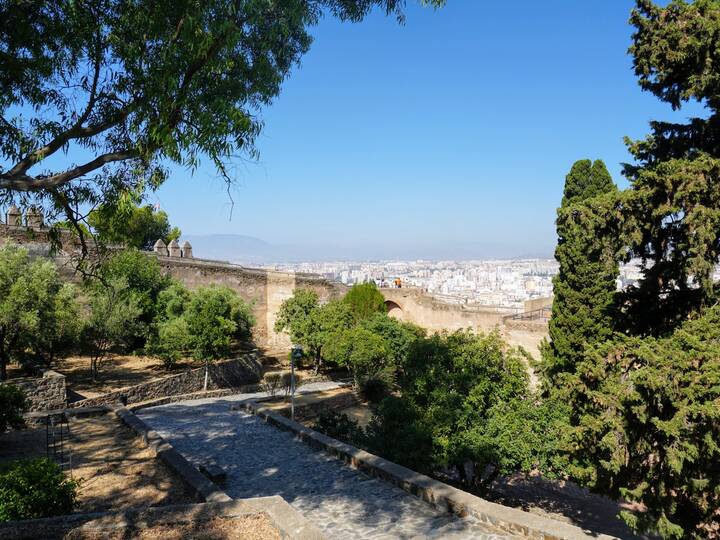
[{"x": 266, "y": 289}]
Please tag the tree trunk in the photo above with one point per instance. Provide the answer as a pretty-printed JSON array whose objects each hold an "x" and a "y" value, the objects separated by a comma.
[
  {"x": 206, "y": 377},
  {"x": 318, "y": 362}
]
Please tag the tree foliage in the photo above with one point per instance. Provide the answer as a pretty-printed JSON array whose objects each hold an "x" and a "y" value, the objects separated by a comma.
[
  {"x": 647, "y": 425},
  {"x": 132, "y": 226},
  {"x": 217, "y": 317},
  {"x": 365, "y": 300},
  {"x": 114, "y": 320},
  {"x": 13, "y": 404},
  {"x": 673, "y": 209},
  {"x": 584, "y": 288},
  {"x": 137, "y": 85},
  {"x": 35, "y": 310},
  {"x": 144, "y": 281},
  {"x": 452, "y": 382},
  {"x": 35, "y": 488},
  {"x": 311, "y": 325},
  {"x": 643, "y": 401}
]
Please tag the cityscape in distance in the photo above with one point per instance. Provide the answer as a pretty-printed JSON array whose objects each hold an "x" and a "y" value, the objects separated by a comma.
[{"x": 505, "y": 283}]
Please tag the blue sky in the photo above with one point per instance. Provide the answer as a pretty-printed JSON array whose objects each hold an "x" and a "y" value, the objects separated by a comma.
[{"x": 448, "y": 137}]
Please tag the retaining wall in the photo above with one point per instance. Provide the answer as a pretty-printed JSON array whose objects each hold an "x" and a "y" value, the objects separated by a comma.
[
  {"x": 229, "y": 374},
  {"x": 43, "y": 393}
]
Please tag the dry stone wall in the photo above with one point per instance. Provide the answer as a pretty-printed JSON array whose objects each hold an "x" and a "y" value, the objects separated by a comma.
[
  {"x": 43, "y": 393},
  {"x": 229, "y": 374}
]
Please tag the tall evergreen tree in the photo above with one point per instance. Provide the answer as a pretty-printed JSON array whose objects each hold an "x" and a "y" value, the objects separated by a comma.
[
  {"x": 585, "y": 287},
  {"x": 674, "y": 211}
]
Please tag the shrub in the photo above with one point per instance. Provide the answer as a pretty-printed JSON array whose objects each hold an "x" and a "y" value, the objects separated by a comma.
[
  {"x": 173, "y": 341},
  {"x": 374, "y": 389},
  {"x": 12, "y": 405},
  {"x": 35, "y": 488},
  {"x": 338, "y": 426}
]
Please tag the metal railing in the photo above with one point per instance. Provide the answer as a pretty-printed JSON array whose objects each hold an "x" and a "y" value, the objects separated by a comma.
[{"x": 542, "y": 313}]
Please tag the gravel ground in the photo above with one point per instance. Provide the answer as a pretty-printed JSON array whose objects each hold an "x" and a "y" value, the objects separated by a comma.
[{"x": 261, "y": 460}]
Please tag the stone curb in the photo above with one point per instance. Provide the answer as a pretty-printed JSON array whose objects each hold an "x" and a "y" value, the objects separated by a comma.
[
  {"x": 224, "y": 392},
  {"x": 194, "y": 479},
  {"x": 284, "y": 518},
  {"x": 433, "y": 491}
]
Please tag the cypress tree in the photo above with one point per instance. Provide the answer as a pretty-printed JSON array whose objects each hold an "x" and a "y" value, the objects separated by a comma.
[{"x": 585, "y": 287}]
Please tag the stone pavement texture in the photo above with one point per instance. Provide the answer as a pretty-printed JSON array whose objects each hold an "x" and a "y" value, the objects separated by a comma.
[{"x": 261, "y": 460}]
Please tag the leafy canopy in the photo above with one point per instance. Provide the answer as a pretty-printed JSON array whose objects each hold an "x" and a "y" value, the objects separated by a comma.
[
  {"x": 132, "y": 226},
  {"x": 36, "y": 310},
  {"x": 136, "y": 85},
  {"x": 35, "y": 488},
  {"x": 13, "y": 404},
  {"x": 365, "y": 300}
]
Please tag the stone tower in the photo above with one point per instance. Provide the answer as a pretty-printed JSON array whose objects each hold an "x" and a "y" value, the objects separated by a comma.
[
  {"x": 174, "y": 249},
  {"x": 13, "y": 216},
  {"x": 34, "y": 217},
  {"x": 160, "y": 248},
  {"x": 187, "y": 250}
]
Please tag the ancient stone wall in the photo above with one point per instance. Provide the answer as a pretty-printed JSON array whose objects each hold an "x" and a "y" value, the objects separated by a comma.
[
  {"x": 44, "y": 393},
  {"x": 228, "y": 374},
  {"x": 264, "y": 290},
  {"x": 415, "y": 306}
]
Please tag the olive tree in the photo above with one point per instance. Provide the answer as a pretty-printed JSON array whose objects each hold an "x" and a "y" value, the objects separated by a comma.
[{"x": 37, "y": 312}]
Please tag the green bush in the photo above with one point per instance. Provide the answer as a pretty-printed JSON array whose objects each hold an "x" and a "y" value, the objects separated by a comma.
[
  {"x": 35, "y": 488},
  {"x": 374, "y": 389},
  {"x": 339, "y": 426},
  {"x": 12, "y": 405}
]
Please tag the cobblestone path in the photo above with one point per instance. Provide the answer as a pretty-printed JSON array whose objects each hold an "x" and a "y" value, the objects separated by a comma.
[{"x": 261, "y": 460}]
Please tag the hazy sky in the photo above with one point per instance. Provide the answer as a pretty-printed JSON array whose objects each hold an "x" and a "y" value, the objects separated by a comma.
[{"x": 449, "y": 136}]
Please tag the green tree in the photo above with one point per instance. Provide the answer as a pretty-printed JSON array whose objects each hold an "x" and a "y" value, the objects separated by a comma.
[
  {"x": 397, "y": 433},
  {"x": 133, "y": 226},
  {"x": 30, "y": 296},
  {"x": 645, "y": 415},
  {"x": 144, "y": 280},
  {"x": 13, "y": 404},
  {"x": 35, "y": 488},
  {"x": 294, "y": 313},
  {"x": 365, "y": 353},
  {"x": 452, "y": 382},
  {"x": 365, "y": 300},
  {"x": 312, "y": 325},
  {"x": 114, "y": 321},
  {"x": 585, "y": 287},
  {"x": 400, "y": 337},
  {"x": 673, "y": 208},
  {"x": 644, "y": 403},
  {"x": 140, "y": 85},
  {"x": 216, "y": 317}
]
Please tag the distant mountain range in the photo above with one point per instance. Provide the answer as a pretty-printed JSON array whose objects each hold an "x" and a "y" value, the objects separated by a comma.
[{"x": 249, "y": 250}]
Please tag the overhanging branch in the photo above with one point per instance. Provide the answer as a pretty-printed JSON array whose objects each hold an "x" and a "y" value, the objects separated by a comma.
[{"x": 25, "y": 182}]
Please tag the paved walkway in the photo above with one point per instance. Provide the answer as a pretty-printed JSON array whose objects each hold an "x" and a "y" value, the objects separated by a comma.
[{"x": 261, "y": 460}]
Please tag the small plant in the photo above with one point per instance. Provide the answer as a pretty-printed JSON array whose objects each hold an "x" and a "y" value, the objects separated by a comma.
[
  {"x": 271, "y": 382},
  {"x": 286, "y": 382},
  {"x": 35, "y": 488},
  {"x": 339, "y": 426},
  {"x": 12, "y": 405}
]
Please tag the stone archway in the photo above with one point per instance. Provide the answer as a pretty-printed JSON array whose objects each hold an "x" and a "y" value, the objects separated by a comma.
[{"x": 394, "y": 310}]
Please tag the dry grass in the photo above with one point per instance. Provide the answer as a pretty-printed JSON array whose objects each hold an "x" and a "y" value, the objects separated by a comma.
[
  {"x": 254, "y": 527},
  {"x": 116, "y": 470},
  {"x": 115, "y": 373}
]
